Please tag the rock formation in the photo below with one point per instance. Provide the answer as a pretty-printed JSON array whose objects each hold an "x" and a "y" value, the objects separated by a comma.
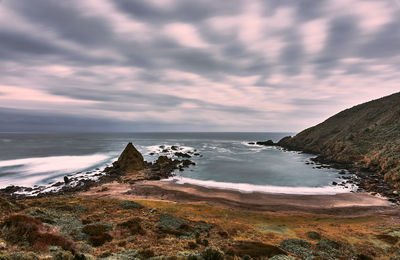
[
  {"x": 366, "y": 136},
  {"x": 131, "y": 159}
]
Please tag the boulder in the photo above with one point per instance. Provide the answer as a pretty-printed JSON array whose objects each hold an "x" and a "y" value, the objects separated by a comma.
[
  {"x": 266, "y": 143},
  {"x": 131, "y": 159}
]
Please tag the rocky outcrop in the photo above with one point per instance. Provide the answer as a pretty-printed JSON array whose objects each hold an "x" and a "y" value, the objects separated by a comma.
[
  {"x": 366, "y": 136},
  {"x": 131, "y": 159}
]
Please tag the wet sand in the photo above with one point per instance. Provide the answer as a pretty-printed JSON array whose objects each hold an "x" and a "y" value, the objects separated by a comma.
[{"x": 341, "y": 205}]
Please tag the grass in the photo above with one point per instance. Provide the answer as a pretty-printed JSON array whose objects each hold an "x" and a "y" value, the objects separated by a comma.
[{"x": 111, "y": 229}]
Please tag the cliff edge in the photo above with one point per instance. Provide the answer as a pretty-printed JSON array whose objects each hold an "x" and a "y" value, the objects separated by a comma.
[{"x": 366, "y": 136}]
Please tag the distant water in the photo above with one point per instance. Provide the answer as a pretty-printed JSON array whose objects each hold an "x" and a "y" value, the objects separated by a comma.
[{"x": 227, "y": 160}]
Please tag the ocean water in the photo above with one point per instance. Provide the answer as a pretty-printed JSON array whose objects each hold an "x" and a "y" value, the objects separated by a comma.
[{"x": 227, "y": 160}]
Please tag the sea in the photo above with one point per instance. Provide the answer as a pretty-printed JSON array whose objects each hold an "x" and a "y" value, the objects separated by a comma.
[{"x": 225, "y": 161}]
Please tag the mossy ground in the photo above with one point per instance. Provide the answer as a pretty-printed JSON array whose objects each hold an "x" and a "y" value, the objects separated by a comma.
[{"x": 137, "y": 230}]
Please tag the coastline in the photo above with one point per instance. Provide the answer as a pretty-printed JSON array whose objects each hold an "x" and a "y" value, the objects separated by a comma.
[
  {"x": 339, "y": 205},
  {"x": 142, "y": 213}
]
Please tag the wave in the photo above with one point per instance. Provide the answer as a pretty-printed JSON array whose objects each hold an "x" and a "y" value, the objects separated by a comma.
[
  {"x": 37, "y": 170},
  {"x": 249, "y": 188},
  {"x": 156, "y": 149}
]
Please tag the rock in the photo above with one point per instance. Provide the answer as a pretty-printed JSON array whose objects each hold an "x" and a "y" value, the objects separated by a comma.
[
  {"x": 131, "y": 159},
  {"x": 66, "y": 180},
  {"x": 162, "y": 160},
  {"x": 266, "y": 143},
  {"x": 255, "y": 249},
  {"x": 174, "y": 148},
  {"x": 184, "y": 155},
  {"x": 252, "y": 143},
  {"x": 334, "y": 183},
  {"x": 313, "y": 235}
]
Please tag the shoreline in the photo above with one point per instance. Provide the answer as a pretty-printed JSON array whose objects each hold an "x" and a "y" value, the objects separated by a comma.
[{"x": 339, "y": 205}]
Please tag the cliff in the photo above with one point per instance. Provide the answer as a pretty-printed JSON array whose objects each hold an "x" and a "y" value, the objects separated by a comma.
[{"x": 366, "y": 136}]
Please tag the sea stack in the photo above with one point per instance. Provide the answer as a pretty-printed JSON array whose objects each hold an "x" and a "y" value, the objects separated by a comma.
[{"x": 131, "y": 159}]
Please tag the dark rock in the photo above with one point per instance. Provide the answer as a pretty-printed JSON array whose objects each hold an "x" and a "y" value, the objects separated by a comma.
[
  {"x": 334, "y": 183},
  {"x": 66, "y": 180},
  {"x": 187, "y": 163},
  {"x": 162, "y": 160},
  {"x": 131, "y": 159},
  {"x": 252, "y": 143},
  {"x": 174, "y": 148},
  {"x": 266, "y": 143},
  {"x": 184, "y": 155}
]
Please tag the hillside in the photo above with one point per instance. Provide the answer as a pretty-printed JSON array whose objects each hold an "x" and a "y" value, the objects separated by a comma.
[{"x": 366, "y": 136}]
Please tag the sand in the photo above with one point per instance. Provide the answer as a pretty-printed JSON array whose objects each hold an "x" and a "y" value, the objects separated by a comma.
[{"x": 344, "y": 204}]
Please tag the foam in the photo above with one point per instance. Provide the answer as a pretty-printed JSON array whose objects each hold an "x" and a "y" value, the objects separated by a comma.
[
  {"x": 249, "y": 188},
  {"x": 31, "y": 171},
  {"x": 157, "y": 150}
]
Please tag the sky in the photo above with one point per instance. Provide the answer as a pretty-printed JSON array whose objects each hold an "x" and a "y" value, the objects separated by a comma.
[{"x": 189, "y": 65}]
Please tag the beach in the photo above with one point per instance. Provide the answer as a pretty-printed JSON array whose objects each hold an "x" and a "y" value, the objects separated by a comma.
[{"x": 340, "y": 205}]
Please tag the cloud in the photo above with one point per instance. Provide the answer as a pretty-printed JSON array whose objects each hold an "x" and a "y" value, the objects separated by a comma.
[{"x": 192, "y": 65}]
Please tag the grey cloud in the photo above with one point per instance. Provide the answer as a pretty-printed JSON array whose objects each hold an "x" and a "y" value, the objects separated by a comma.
[
  {"x": 293, "y": 53},
  {"x": 64, "y": 19},
  {"x": 181, "y": 10},
  {"x": 58, "y": 22},
  {"x": 305, "y": 9},
  {"x": 342, "y": 41},
  {"x": 13, "y": 44},
  {"x": 385, "y": 43}
]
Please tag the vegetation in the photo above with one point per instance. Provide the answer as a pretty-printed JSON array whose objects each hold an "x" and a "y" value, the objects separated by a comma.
[
  {"x": 101, "y": 229},
  {"x": 366, "y": 136}
]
